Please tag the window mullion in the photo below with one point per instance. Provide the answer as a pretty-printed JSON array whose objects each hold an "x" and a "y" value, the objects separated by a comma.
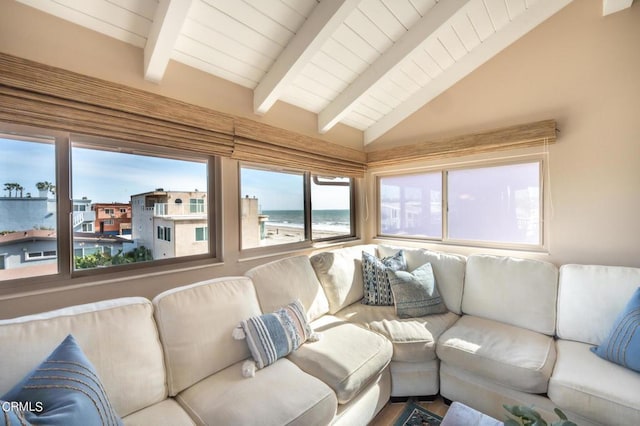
[
  {"x": 307, "y": 206},
  {"x": 445, "y": 205},
  {"x": 64, "y": 205}
]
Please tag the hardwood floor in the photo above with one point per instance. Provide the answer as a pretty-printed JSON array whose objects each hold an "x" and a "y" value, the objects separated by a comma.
[{"x": 392, "y": 411}]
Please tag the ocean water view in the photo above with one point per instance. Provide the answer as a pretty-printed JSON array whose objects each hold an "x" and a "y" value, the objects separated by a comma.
[{"x": 322, "y": 220}]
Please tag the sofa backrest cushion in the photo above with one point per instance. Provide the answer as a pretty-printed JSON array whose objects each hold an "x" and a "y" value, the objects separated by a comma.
[
  {"x": 118, "y": 336},
  {"x": 281, "y": 282},
  {"x": 340, "y": 273},
  {"x": 519, "y": 292},
  {"x": 448, "y": 269},
  {"x": 590, "y": 298},
  {"x": 196, "y": 323}
]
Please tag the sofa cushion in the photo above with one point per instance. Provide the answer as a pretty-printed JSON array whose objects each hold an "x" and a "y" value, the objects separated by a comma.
[
  {"x": 66, "y": 389},
  {"x": 195, "y": 321},
  {"x": 597, "y": 389},
  {"x": 448, "y": 269},
  {"x": 347, "y": 357},
  {"x": 377, "y": 288},
  {"x": 590, "y": 297},
  {"x": 279, "y": 395},
  {"x": 340, "y": 273},
  {"x": 519, "y": 292},
  {"x": 118, "y": 336},
  {"x": 279, "y": 282},
  {"x": 622, "y": 346},
  {"x": 165, "y": 413},
  {"x": 275, "y": 335},
  {"x": 415, "y": 293},
  {"x": 413, "y": 339},
  {"x": 515, "y": 357}
]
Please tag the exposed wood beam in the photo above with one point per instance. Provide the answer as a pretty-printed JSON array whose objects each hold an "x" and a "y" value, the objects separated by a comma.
[
  {"x": 167, "y": 24},
  {"x": 537, "y": 13},
  {"x": 519, "y": 136},
  {"x": 613, "y": 6},
  {"x": 327, "y": 16},
  {"x": 411, "y": 40}
]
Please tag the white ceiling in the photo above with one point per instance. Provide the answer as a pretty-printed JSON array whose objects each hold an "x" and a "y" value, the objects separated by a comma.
[{"x": 366, "y": 63}]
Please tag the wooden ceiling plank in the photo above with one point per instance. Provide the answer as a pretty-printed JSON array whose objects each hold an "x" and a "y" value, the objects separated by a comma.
[
  {"x": 522, "y": 24},
  {"x": 425, "y": 28},
  {"x": 318, "y": 28},
  {"x": 164, "y": 32},
  {"x": 613, "y": 6}
]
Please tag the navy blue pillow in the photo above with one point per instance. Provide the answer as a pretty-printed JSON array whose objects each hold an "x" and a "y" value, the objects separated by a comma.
[
  {"x": 622, "y": 346},
  {"x": 377, "y": 288},
  {"x": 64, "y": 390}
]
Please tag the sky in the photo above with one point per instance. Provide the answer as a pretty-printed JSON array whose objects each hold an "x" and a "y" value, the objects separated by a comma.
[
  {"x": 284, "y": 191},
  {"x": 104, "y": 176}
]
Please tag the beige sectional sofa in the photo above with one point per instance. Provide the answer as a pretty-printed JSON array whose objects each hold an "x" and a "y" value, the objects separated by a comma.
[{"x": 517, "y": 331}]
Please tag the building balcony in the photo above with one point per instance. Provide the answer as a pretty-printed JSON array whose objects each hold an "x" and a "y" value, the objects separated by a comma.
[{"x": 172, "y": 209}]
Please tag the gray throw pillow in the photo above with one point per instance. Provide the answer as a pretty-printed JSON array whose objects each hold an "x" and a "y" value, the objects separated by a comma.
[{"x": 415, "y": 293}]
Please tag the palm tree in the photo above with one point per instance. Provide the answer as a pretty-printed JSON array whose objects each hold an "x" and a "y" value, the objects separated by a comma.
[
  {"x": 13, "y": 186},
  {"x": 19, "y": 188}
]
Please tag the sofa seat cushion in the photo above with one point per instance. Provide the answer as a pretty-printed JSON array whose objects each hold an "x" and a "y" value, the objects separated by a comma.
[
  {"x": 347, "y": 357},
  {"x": 413, "y": 339},
  {"x": 280, "y": 394},
  {"x": 165, "y": 413},
  {"x": 515, "y": 357},
  {"x": 598, "y": 389}
]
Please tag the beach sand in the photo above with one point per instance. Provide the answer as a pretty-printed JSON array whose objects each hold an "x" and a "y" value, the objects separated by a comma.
[{"x": 278, "y": 234}]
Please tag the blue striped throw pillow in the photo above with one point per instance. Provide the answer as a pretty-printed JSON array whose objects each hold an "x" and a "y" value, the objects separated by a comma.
[
  {"x": 275, "y": 335},
  {"x": 622, "y": 346},
  {"x": 64, "y": 390}
]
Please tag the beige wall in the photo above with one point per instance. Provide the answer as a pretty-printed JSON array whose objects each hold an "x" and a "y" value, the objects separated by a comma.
[
  {"x": 578, "y": 68},
  {"x": 582, "y": 69}
]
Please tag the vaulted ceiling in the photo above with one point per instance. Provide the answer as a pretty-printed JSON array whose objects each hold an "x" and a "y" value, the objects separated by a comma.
[{"x": 366, "y": 63}]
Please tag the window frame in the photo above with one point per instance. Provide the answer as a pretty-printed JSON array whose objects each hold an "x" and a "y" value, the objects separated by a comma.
[
  {"x": 308, "y": 241},
  {"x": 64, "y": 209},
  {"x": 541, "y": 246}
]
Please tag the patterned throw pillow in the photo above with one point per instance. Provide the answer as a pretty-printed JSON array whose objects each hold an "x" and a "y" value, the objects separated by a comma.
[
  {"x": 622, "y": 346},
  {"x": 275, "y": 335},
  {"x": 415, "y": 293},
  {"x": 64, "y": 390},
  {"x": 377, "y": 289}
]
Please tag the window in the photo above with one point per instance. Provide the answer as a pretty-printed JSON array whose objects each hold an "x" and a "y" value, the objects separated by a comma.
[
  {"x": 202, "y": 233},
  {"x": 164, "y": 233},
  {"x": 411, "y": 205},
  {"x": 279, "y": 207},
  {"x": 150, "y": 180},
  {"x": 494, "y": 205},
  {"x": 196, "y": 205},
  {"x": 28, "y": 210},
  {"x": 330, "y": 207},
  {"x": 87, "y": 227}
]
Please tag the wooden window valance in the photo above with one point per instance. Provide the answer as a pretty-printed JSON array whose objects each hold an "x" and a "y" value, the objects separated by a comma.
[
  {"x": 257, "y": 142},
  {"x": 35, "y": 94},
  {"x": 519, "y": 136}
]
